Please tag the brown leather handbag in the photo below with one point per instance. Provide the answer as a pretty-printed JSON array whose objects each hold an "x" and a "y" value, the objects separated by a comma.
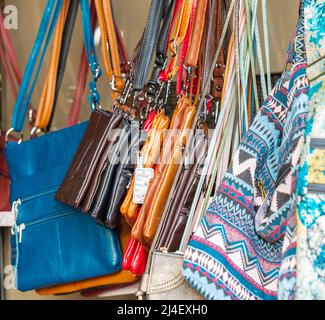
[
  {"x": 181, "y": 201},
  {"x": 82, "y": 181}
]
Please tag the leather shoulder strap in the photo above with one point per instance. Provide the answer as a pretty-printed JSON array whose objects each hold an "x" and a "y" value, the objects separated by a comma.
[
  {"x": 161, "y": 49},
  {"x": 149, "y": 41},
  {"x": 197, "y": 34},
  {"x": 46, "y": 103},
  {"x": 110, "y": 48},
  {"x": 82, "y": 76},
  {"x": 66, "y": 42},
  {"x": 43, "y": 37}
]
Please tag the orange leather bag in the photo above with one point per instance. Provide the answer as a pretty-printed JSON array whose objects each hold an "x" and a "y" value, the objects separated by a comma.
[
  {"x": 151, "y": 211},
  {"x": 150, "y": 153}
]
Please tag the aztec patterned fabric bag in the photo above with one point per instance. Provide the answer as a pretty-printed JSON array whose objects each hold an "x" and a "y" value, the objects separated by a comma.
[{"x": 244, "y": 247}]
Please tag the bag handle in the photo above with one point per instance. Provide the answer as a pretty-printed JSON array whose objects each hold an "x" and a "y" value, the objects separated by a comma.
[
  {"x": 109, "y": 40},
  {"x": 194, "y": 49},
  {"x": 149, "y": 41},
  {"x": 93, "y": 97},
  {"x": 66, "y": 42},
  {"x": 181, "y": 35},
  {"x": 11, "y": 56},
  {"x": 161, "y": 50},
  {"x": 48, "y": 22},
  {"x": 46, "y": 104},
  {"x": 7, "y": 70},
  {"x": 82, "y": 76}
]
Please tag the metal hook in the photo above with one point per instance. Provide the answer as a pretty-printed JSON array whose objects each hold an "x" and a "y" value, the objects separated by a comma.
[{"x": 11, "y": 130}]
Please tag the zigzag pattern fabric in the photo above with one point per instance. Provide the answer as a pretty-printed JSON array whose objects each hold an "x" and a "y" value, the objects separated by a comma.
[{"x": 245, "y": 242}]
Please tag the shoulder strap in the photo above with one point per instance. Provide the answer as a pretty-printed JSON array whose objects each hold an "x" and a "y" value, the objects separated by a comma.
[
  {"x": 94, "y": 97},
  {"x": 149, "y": 41},
  {"x": 185, "y": 46},
  {"x": 9, "y": 60},
  {"x": 161, "y": 49},
  {"x": 47, "y": 25},
  {"x": 45, "y": 108},
  {"x": 81, "y": 77},
  {"x": 192, "y": 57},
  {"x": 110, "y": 48},
  {"x": 65, "y": 47}
]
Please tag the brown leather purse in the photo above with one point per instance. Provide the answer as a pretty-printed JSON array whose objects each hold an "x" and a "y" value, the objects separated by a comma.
[
  {"x": 81, "y": 183},
  {"x": 176, "y": 216}
]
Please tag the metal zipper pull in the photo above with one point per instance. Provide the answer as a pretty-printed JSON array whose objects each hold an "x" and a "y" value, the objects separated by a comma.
[
  {"x": 21, "y": 228},
  {"x": 14, "y": 211}
]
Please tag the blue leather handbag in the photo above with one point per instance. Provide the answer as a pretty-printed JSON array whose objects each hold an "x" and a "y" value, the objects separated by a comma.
[{"x": 53, "y": 243}]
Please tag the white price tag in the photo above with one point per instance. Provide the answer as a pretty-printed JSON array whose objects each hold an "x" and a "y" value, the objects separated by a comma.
[
  {"x": 142, "y": 179},
  {"x": 7, "y": 219}
]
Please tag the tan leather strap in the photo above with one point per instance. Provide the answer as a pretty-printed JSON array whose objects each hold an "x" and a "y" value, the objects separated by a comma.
[
  {"x": 110, "y": 46},
  {"x": 194, "y": 49},
  {"x": 179, "y": 33},
  {"x": 45, "y": 106},
  {"x": 104, "y": 36}
]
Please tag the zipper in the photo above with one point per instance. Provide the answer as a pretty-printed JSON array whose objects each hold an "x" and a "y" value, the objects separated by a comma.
[
  {"x": 317, "y": 143},
  {"x": 21, "y": 227},
  {"x": 39, "y": 194},
  {"x": 316, "y": 188}
]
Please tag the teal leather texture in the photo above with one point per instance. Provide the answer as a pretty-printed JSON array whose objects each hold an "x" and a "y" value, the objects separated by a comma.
[{"x": 53, "y": 243}]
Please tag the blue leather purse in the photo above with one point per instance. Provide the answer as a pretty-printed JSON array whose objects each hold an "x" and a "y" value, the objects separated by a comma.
[{"x": 53, "y": 243}]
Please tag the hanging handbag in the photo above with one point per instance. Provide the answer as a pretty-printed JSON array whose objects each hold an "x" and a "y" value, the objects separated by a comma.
[
  {"x": 163, "y": 279},
  {"x": 135, "y": 257},
  {"x": 80, "y": 186},
  {"x": 257, "y": 220},
  {"x": 176, "y": 216},
  {"x": 111, "y": 190},
  {"x": 159, "y": 189},
  {"x": 47, "y": 232}
]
